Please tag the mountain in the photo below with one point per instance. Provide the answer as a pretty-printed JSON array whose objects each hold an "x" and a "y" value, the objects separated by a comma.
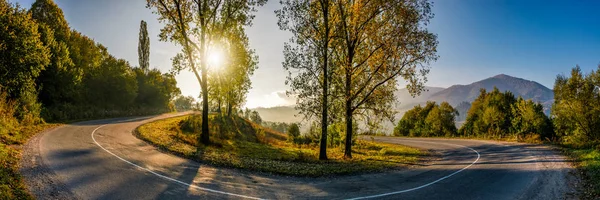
[
  {"x": 518, "y": 86},
  {"x": 405, "y": 100}
]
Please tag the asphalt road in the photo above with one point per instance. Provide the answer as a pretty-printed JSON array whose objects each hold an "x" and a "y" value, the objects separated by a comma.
[{"x": 103, "y": 160}]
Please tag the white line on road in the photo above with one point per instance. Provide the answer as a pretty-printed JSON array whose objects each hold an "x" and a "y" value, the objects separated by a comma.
[
  {"x": 428, "y": 184},
  {"x": 166, "y": 177},
  {"x": 249, "y": 197}
]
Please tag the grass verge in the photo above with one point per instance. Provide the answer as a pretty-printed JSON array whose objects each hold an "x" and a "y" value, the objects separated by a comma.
[
  {"x": 587, "y": 162},
  {"x": 12, "y": 185},
  {"x": 239, "y": 143}
]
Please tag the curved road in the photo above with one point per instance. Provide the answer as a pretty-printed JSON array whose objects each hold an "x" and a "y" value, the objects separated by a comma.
[{"x": 102, "y": 160}]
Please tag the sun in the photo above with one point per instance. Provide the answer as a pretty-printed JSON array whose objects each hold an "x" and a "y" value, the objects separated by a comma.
[{"x": 215, "y": 57}]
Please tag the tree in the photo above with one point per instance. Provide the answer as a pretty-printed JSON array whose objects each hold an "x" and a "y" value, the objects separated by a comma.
[
  {"x": 431, "y": 120},
  {"x": 22, "y": 58},
  {"x": 195, "y": 25},
  {"x": 230, "y": 82},
  {"x": 58, "y": 82},
  {"x": 294, "y": 130},
  {"x": 255, "y": 117},
  {"x": 529, "y": 117},
  {"x": 490, "y": 115},
  {"x": 144, "y": 47},
  {"x": 183, "y": 103},
  {"x": 307, "y": 55},
  {"x": 576, "y": 108},
  {"x": 377, "y": 42}
]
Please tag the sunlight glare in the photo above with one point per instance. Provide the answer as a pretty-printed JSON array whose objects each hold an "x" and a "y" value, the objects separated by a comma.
[{"x": 215, "y": 57}]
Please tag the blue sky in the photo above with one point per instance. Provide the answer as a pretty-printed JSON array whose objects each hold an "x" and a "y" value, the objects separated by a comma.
[{"x": 535, "y": 40}]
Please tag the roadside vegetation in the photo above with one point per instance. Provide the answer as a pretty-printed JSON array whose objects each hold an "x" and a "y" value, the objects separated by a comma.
[
  {"x": 574, "y": 122},
  {"x": 239, "y": 143},
  {"x": 52, "y": 73}
]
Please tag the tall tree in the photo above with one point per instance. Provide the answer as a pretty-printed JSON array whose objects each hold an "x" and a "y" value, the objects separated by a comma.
[
  {"x": 22, "y": 57},
  {"x": 376, "y": 42},
  {"x": 576, "y": 108},
  {"x": 195, "y": 24},
  {"x": 230, "y": 82},
  {"x": 307, "y": 58},
  {"x": 144, "y": 47},
  {"x": 59, "y": 81}
]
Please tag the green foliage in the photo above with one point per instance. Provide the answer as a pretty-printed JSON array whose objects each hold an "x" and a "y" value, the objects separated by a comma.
[
  {"x": 22, "y": 57},
  {"x": 183, "y": 103},
  {"x": 144, "y": 47},
  {"x": 293, "y": 131},
  {"x": 432, "y": 120},
  {"x": 500, "y": 115},
  {"x": 576, "y": 108},
  {"x": 278, "y": 126},
  {"x": 255, "y": 117}
]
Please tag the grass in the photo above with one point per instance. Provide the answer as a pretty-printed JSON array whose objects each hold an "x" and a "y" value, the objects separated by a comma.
[
  {"x": 588, "y": 163},
  {"x": 12, "y": 138},
  {"x": 238, "y": 143}
]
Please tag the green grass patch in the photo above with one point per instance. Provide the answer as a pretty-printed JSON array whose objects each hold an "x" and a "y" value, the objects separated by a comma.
[
  {"x": 12, "y": 138},
  {"x": 239, "y": 143},
  {"x": 588, "y": 162}
]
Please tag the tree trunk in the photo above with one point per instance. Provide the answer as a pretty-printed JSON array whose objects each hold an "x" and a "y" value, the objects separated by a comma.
[
  {"x": 229, "y": 108},
  {"x": 205, "y": 132},
  {"x": 323, "y": 148},
  {"x": 348, "y": 147}
]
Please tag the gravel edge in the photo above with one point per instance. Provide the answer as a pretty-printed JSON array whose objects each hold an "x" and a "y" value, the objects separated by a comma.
[{"x": 40, "y": 180}]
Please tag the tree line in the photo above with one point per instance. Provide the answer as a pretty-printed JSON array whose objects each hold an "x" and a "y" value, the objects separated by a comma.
[
  {"x": 574, "y": 118},
  {"x": 51, "y": 72}
]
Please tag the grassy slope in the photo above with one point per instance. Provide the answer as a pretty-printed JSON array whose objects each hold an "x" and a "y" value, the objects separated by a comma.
[
  {"x": 245, "y": 145},
  {"x": 11, "y": 140}
]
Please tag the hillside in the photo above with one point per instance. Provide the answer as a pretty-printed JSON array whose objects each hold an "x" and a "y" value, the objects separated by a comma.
[{"x": 518, "y": 86}]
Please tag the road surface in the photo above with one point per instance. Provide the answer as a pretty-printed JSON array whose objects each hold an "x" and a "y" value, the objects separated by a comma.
[{"x": 102, "y": 160}]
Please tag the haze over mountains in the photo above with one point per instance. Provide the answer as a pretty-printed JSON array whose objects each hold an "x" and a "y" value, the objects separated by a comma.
[{"x": 454, "y": 95}]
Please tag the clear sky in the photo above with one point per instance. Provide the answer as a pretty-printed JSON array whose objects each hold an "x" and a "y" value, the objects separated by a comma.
[{"x": 535, "y": 40}]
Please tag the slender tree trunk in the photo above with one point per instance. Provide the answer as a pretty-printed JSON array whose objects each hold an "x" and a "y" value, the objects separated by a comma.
[
  {"x": 348, "y": 146},
  {"x": 229, "y": 108},
  {"x": 323, "y": 148}
]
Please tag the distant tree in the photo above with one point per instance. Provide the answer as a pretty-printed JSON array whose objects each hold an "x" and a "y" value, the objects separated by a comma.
[
  {"x": 427, "y": 121},
  {"x": 378, "y": 42},
  {"x": 576, "y": 108},
  {"x": 490, "y": 114},
  {"x": 183, "y": 103},
  {"x": 195, "y": 25},
  {"x": 255, "y": 117},
  {"x": 499, "y": 114},
  {"x": 144, "y": 47},
  {"x": 529, "y": 117},
  {"x": 294, "y": 130},
  {"x": 23, "y": 56}
]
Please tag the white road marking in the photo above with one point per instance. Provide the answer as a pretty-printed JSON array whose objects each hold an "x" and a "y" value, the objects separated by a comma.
[
  {"x": 249, "y": 197},
  {"x": 428, "y": 184},
  {"x": 166, "y": 177}
]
